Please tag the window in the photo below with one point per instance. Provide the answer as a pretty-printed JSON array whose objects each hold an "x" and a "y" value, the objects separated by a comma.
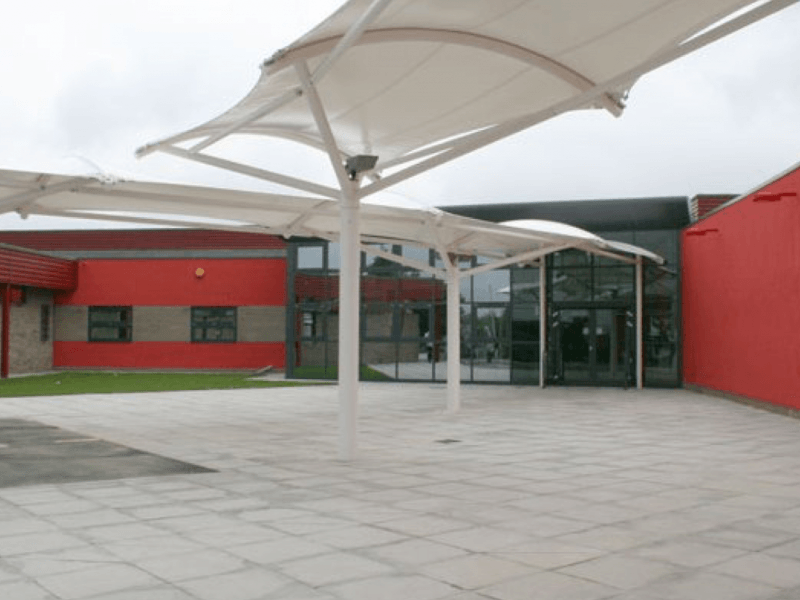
[
  {"x": 213, "y": 324},
  {"x": 44, "y": 322},
  {"x": 110, "y": 323}
]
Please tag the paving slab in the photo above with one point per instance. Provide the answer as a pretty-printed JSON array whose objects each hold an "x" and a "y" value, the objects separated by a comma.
[{"x": 566, "y": 493}]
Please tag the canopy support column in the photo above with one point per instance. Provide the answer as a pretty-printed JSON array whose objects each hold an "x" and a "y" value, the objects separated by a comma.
[
  {"x": 542, "y": 321},
  {"x": 639, "y": 322},
  {"x": 349, "y": 328},
  {"x": 453, "y": 338},
  {"x": 6, "y": 324}
]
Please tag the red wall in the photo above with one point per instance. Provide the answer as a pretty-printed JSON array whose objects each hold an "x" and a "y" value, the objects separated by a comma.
[
  {"x": 174, "y": 282},
  {"x": 225, "y": 282},
  {"x": 741, "y": 287},
  {"x": 168, "y": 355}
]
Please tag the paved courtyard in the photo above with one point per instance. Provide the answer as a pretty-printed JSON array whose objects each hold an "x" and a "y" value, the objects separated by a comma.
[{"x": 557, "y": 494}]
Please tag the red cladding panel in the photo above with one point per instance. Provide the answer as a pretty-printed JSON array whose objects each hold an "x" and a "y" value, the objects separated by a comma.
[
  {"x": 741, "y": 284},
  {"x": 35, "y": 270},
  {"x": 168, "y": 355},
  {"x": 183, "y": 282},
  {"x": 373, "y": 289}
]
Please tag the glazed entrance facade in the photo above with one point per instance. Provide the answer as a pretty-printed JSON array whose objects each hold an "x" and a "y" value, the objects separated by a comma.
[{"x": 590, "y": 318}]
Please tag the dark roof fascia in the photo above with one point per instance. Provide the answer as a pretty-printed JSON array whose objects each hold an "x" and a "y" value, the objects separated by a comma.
[
  {"x": 77, "y": 240},
  {"x": 622, "y": 214}
]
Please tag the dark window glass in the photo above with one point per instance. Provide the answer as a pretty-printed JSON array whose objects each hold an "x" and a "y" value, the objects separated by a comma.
[
  {"x": 572, "y": 284},
  {"x": 110, "y": 323},
  {"x": 524, "y": 286},
  {"x": 44, "y": 319},
  {"x": 662, "y": 242},
  {"x": 571, "y": 258},
  {"x": 661, "y": 336},
  {"x": 213, "y": 324},
  {"x": 614, "y": 283}
]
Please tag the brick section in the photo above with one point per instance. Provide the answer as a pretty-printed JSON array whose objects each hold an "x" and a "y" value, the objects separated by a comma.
[
  {"x": 161, "y": 324},
  {"x": 71, "y": 323},
  {"x": 27, "y": 352},
  {"x": 261, "y": 323}
]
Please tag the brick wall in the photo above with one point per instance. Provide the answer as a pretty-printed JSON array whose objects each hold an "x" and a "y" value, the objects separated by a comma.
[{"x": 28, "y": 353}]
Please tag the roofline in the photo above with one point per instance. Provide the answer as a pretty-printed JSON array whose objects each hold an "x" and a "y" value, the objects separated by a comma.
[
  {"x": 752, "y": 191},
  {"x": 25, "y": 250},
  {"x": 449, "y": 207}
]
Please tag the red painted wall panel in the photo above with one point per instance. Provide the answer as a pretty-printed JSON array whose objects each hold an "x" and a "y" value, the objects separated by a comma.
[
  {"x": 741, "y": 286},
  {"x": 168, "y": 355},
  {"x": 225, "y": 282}
]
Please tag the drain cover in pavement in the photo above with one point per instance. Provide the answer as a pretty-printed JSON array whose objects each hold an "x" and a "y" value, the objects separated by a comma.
[{"x": 32, "y": 453}]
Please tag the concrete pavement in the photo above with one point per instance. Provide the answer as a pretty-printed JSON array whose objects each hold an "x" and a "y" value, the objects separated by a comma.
[{"x": 564, "y": 493}]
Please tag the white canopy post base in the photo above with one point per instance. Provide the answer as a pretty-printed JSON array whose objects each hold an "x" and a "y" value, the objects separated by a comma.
[
  {"x": 349, "y": 306},
  {"x": 453, "y": 338},
  {"x": 639, "y": 322}
]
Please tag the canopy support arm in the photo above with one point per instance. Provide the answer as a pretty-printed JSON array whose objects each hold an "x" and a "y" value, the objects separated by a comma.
[
  {"x": 324, "y": 126},
  {"x": 350, "y": 38},
  {"x": 228, "y": 165},
  {"x": 524, "y": 257},
  {"x": 150, "y": 221},
  {"x": 277, "y": 103},
  {"x": 22, "y": 201},
  {"x": 405, "y": 261},
  {"x": 614, "y": 255}
]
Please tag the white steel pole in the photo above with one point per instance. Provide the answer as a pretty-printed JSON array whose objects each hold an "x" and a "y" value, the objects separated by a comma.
[
  {"x": 453, "y": 338},
  {"x": 349, "y": 301},
  {"x": 639, "y": 322},
  {"x": 542, "y": 320}
]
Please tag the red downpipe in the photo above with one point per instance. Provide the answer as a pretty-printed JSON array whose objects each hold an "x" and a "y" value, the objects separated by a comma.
[{"x": 6, "y": 326}]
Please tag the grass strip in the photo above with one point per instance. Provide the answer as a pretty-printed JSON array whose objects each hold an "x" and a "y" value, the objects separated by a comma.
[
  {"x": 79, "y": 382},
  {"x": 332, "y": 372}
]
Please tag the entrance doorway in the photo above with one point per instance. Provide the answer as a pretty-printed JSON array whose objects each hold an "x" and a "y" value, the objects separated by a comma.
[{"x": 592, "y": 346}]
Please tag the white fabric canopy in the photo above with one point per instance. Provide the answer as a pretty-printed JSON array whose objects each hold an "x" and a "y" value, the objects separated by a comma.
[
  {"x": 397, "y": 77},
  {"x": 287, "y": 216}
]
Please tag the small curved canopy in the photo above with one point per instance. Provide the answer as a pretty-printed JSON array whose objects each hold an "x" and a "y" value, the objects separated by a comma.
[
  {"x": 288, "y": 216},
  {"x": 399, "y": 77}
]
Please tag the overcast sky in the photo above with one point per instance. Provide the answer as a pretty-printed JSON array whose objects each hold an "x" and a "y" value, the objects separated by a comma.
[{"x": 85, "y": 82}]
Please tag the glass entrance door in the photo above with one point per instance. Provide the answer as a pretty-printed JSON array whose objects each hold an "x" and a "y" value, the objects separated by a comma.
[{"x": 591, "y": 346}]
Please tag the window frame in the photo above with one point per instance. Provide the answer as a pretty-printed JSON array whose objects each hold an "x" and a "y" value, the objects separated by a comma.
[
  {"x": 44, "y": 322},
  {"x": 123, "y": 325},
  {"x": 200, "y": 322}
]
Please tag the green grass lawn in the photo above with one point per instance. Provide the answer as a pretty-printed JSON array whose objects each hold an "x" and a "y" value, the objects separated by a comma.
[
  {"x": 315, "y": 372},
  {"x": 75, "y": 382}
]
